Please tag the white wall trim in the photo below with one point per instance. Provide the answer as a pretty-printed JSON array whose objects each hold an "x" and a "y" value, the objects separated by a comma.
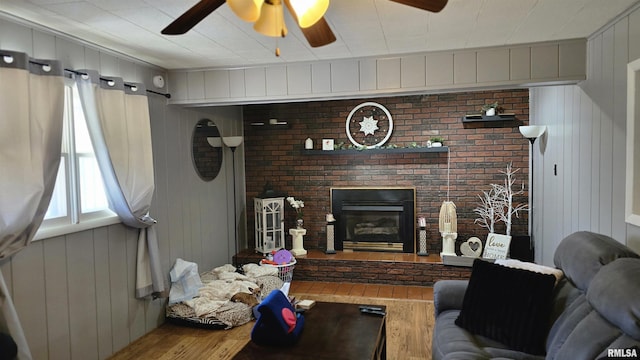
[{"x": 546, "y": 63}]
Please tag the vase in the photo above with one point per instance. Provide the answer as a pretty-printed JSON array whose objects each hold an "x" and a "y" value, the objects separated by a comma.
[{"x": 299, "y": 223}]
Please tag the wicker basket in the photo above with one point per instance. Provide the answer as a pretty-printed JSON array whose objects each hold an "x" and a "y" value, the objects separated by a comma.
[{"x": 285, "y": 272}]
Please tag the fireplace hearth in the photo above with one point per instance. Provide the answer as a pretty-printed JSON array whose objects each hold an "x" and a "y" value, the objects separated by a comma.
[{"x": 374, "y": 219}]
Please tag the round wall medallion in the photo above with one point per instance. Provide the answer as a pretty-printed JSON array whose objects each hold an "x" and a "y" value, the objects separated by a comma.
[{"x": 369, "y": 125}]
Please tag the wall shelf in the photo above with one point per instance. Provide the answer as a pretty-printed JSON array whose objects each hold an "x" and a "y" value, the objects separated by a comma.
[
  {"x": 482, "y": 117},
  {"x": 442, "y": 149},
  {"x": 268, "y": 126}
]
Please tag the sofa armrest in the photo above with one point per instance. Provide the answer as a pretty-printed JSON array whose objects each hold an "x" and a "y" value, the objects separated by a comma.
[{"x": 448, "y": 295}]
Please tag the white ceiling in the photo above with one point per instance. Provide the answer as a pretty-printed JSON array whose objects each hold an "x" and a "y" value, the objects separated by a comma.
[{"x": 362, "y": 27}]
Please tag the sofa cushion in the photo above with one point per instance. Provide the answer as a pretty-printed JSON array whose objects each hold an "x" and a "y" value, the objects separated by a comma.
[
  {"x": 448, "y": 295},
  {"x": 615, "y": 292},
  {"x": 581, "y": 254},
  {"x": 451, "y": 342},
  {"x": 512, "y": 306},
  {"x": 586, "y": 335}
]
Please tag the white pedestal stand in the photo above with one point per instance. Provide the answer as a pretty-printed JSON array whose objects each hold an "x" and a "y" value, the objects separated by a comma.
[
  {"x": 449, "y": 244},
  {"x": 298, "y": 247}
]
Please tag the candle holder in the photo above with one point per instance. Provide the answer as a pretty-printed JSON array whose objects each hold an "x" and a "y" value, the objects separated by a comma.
[
  {"x": 448, "y": 228},
  {"x": 330, "y": 234},
  {"x": 422, "y": 237}
]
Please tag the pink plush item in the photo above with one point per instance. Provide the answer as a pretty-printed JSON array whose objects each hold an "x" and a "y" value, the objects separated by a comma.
[{"x": 289, "y": 318}]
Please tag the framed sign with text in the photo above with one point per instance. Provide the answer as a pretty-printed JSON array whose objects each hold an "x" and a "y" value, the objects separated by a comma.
[{"x": 497, "y": 246}]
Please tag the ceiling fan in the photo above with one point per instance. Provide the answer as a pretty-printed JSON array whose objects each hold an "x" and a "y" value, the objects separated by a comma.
[{"x": 269, "y": 17}]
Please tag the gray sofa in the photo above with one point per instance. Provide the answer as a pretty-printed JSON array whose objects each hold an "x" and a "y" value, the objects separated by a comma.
[{"x": 594, "y": 308}]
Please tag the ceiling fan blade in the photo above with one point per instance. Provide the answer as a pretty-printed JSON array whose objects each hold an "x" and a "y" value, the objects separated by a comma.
[
  {"x": 429, "y": 5},
  {"x": 319, "y": 34},
  {"x": 192, "y": 17}
]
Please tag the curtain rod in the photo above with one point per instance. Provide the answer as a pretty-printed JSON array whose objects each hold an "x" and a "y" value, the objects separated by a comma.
[{"x": 168, "y": 96}]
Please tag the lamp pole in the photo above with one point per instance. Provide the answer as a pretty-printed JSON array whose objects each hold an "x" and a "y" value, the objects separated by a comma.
[
  {"x": 531, "y": 132},
  {"x": 532, "y": 141},
  {"x": 235, "y": 201},
  {"x": 232, "y": 142}
]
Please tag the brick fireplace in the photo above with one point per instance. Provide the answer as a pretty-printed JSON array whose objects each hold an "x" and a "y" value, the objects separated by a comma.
[{"x": 479, "y": 151}]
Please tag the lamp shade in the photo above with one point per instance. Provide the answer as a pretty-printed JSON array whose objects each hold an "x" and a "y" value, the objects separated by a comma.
[
  {"x": 216, "y": 142},
  {"x": 532, "y": 131},
  {"x": 271, "y": 20},
  {"x": 247, "y": 10},
  {"x": 308, "y": 12},
  {"x": 232, "y": 141}
]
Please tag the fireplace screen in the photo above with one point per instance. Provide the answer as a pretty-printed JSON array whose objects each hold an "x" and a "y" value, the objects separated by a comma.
[
  {"x": 372, "y": 225},
  {"x": 374, "y": 219}
]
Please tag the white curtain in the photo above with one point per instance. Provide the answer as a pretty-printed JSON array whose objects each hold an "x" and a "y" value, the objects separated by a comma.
[
  {"x": 119, "y": 125},
  {"x": 32, "y": 103}
]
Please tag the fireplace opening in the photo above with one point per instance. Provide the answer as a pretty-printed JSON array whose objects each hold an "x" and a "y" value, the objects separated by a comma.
[
  {"x": 372, "y": 227},
  {"x": 378, "y": 219}
]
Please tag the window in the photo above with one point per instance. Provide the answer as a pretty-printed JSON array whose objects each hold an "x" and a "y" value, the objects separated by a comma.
[{"x": 79, "y": 199}]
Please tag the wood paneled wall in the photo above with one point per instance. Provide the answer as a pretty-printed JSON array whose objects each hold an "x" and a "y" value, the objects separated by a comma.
[
  {"x": 580, "y": 164},
  {"x": 557, "y": 62},
  {"x": 74, "y": 294}
]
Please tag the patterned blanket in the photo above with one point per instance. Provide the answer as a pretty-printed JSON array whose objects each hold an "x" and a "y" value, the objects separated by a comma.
[{"x": 212, "y": 307}]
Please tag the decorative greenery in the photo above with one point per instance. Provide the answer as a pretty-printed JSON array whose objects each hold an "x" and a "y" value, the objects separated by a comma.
[
  {"x": 486, "y": 107},
  {"x": 412, "y": 145}
]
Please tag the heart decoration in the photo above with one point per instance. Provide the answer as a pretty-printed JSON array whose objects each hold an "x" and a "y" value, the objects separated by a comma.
[{"x": 471, "y": 247}]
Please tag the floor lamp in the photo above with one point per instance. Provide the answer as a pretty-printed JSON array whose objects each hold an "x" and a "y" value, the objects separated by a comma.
[
  {"x": 232, "y": 142},
  {"x": 532, "y": 132}
]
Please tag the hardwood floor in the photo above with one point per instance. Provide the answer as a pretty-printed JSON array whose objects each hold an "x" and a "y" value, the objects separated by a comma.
[
  {"x": 409, "y": 324},
  {"x": 363, "y": 290}
]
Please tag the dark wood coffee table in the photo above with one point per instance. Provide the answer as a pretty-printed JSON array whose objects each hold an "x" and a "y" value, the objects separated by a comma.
[{"x": 331, "y": 331}]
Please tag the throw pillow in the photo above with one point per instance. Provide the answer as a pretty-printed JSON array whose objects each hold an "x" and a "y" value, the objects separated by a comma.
[{"x": 509, "y": 305}]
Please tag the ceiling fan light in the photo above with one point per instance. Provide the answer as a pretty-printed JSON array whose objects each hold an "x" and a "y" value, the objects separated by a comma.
[
  {"x": 308, "y": 12},
  {"x": 271, "y": 21},
  {"x": 247, "y": 10}
]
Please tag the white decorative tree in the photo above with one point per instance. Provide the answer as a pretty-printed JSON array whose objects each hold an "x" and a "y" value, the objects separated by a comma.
[
  {"x": 506, "y": 197},
  {"x": 487, "y": 210},
  {"x": 497, "y": 204}
]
